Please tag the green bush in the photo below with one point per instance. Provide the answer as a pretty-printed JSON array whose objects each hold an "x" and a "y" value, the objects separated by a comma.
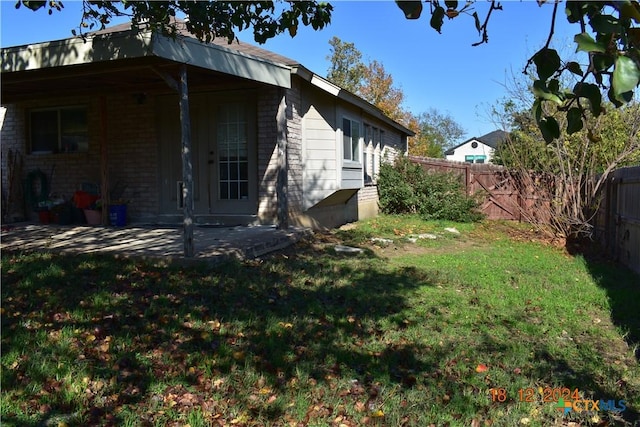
[{"x": 405, "y": 187}]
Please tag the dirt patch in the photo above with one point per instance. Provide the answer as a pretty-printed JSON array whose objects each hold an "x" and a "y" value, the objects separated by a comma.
[
  {"x": 483, "y": 234},
  {"x": 519, "y": 232}
]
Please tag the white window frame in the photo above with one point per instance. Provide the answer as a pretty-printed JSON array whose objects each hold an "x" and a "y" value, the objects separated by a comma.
[
  {"x": 348, "y": 155},
  {"x": 378, "y": 144}
]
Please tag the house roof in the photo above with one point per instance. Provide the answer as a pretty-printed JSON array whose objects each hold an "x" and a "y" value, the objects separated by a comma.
[
  {"x": 236, "y": 45},
  {"x": 491, "y": 139},
  {"x": 106, "y": 46},
  {"x": 121, "y": 42}
]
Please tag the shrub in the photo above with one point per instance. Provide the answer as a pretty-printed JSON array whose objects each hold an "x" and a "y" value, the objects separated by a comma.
[{"x": 405, "y": 187}]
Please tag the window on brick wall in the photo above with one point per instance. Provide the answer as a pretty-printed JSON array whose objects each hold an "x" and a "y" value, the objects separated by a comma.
[{"x": 59, "y": 130}]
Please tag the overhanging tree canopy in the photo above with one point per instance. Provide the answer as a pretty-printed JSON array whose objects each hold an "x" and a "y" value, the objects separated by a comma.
[{"x": 607, "y": 33}]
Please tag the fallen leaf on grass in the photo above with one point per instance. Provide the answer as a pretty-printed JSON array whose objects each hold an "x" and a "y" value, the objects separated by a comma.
[
  {"x": 482, "y": 368},
  {"x": 377, "y": 414}
]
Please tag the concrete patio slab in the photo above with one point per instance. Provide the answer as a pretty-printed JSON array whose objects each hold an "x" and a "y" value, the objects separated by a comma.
[{"x": 212, "y": 244}]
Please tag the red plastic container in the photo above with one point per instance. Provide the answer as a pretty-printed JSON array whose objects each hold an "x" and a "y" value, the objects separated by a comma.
[
  {"x": 44, "y": 216},
  {"x": 83, "y": 200}
]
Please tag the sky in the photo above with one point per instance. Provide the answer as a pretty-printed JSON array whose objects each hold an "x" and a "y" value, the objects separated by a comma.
[{"x": 435, "y": 71}]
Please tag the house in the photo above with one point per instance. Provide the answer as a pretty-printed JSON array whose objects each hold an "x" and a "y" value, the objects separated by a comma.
[
  {"x": 476, "y": 149},
  {"x": 270, "y": 141}
]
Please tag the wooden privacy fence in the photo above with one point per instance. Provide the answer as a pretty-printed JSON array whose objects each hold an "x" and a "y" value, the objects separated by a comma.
[
  {"x": 617, "y": 222},
  {"x": 504, "y": 195},
  {"x": 523, "y": 198}
]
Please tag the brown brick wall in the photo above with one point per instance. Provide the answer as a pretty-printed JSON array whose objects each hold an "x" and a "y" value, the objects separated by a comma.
[
  {"x": 267, "y": 154},
  {"x": 133, "y": 153},
  {"x": 131, "y": 142},
  {"x": 268, "y": 101},
  {"x": 294, "y": 148}
]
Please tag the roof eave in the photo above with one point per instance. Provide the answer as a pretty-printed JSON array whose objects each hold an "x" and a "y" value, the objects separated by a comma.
[
  {"x": 347, "y": 96},
  {"x": 75, "y": 51},
  {"x": 132, "y": 44},
  {"x": 213, "y": 57}
]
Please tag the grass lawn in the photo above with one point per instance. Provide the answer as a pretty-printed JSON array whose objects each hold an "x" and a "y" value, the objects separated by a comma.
[{"x": 489, "y": 327}]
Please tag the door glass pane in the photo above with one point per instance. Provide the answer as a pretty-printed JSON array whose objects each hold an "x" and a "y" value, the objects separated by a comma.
[
  {"x": 233, "y": 152},
  {"x": 233, "y": 176},
  {"x": 244, "y": 190},
  {"x": 224, "y": 171}
]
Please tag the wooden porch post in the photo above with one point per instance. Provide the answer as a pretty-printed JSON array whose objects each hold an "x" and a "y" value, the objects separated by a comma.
[
  {"x": 104, "y": 161},
  {"x": 187, "y": 165},
  {"x": 281, "y": 184}
]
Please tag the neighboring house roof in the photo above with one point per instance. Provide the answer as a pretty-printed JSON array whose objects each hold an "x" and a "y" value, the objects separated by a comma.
[
  {"x": 121, "y": 42},
  {"x": 492, "y": 139}
]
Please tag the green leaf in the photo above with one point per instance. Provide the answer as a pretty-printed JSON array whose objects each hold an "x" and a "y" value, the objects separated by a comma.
[
  {"x": 547, "y": 62},
  {"x": 574, "y": 11},
  {"x": 34, "y": 5},
  {"x": 612, "y": 98},
  {"x": 602, "y": 62},
  {"x": 411, "y": 9},
  {"x": 437, "y": 18},
  {"x": 549, "y": 128},
  {"x": 537, "y": 109},
  {"x": 630, "y": 10},
  {"x": 587, "y": 44},
  {"x": 541, "y": 91},
  {"x": 592, "y": 93},
  {"x": 605, "y": 24},
  {"x": 574, "y": 67},
  {"x": 626, "y": 76},
  {"x": 574, "y": 120}
]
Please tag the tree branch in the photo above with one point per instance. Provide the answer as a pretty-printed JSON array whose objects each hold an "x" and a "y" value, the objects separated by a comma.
[{"x": 485, "y": 35}]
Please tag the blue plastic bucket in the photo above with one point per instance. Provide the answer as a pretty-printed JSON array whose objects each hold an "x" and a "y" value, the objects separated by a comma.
[{"x": 118, "y": 215}]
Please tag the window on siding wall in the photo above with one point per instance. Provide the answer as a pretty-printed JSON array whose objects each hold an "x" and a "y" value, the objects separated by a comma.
[
  {"x": 350, "y": 140},
  {"x": 478, "y": 158},
  {"x": 59, "y": 130},
  {"x": 368, "y": 147},
  {"x": 373, "y": 143},
  {"x": 378, "y": 141}
]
